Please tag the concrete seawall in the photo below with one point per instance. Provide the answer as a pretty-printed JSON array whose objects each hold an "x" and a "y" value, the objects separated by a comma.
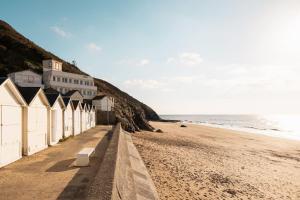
[{"x": 122, "y": 175}]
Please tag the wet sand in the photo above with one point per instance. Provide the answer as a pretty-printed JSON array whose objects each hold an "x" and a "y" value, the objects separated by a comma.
[{"x": 201, "y": 162}]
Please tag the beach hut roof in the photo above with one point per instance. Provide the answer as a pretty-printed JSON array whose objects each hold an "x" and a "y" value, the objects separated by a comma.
[
  {"x": 85, "y": 106},
  {"x": 52, "y": 98},
  {"x": 67, "y": 101},
  {"x": 2, "y": 80},
  {"x": 13, "y": 88},
  {"x": 88, "y": 102},
  {"x": 71, "y": 92},
  {"x": 99, "y": 97},
  {"x": 76, "y": 103},
  {"x": 29, "y": 93}
]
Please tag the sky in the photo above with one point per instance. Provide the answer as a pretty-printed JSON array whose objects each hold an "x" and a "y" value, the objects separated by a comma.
[{"x": 178, "y": 57}]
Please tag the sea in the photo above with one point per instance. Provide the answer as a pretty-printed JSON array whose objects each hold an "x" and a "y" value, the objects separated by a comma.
[{"x": 283, "y": 126}]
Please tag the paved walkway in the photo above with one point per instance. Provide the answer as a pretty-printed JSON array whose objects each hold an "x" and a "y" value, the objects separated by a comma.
[{"x": 49, "y": 174}]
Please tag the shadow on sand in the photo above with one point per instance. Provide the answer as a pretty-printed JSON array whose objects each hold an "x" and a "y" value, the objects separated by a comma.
[
  {"x": 78, "y": 187},
  {"x": 61, "y": 166}
]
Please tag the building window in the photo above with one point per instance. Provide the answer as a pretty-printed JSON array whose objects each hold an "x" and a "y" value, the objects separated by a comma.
[
  {"x": 58, "y": 79},
  {"x": 80, "y": 82},
  {"x": 54, "y": 78},
  {"x": 30, "y": 79},
  {"x": 76, "y": 81},
  {"x": 70, "y": 80},
  {"x": 56, "y": 65}
]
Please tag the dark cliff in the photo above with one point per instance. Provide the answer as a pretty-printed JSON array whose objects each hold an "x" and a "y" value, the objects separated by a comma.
[{"x": 19, "y": 53}]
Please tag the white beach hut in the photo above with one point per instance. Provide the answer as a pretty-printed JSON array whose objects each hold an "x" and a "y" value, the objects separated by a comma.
[
  {"x": 84, "y": 117},
  {"x": 35, "y": 120},
  {"x": 77, "y": 117},
  {"x": 56, "y": 114},
  {"x": 11, "y": 108},
  {"x": 74, "y": 95},
  {"x": 68, "y": 117},
  {"x": 88, "y": 116},
  {"x": 103, "y": 102},
  {"x": 93, "y": 116}
]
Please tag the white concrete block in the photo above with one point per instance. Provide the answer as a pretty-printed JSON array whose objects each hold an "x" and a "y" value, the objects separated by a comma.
[{"x": 83, "y": 157}]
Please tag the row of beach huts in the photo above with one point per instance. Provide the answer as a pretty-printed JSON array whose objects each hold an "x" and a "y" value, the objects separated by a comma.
[{"x": 31, "y": 119}]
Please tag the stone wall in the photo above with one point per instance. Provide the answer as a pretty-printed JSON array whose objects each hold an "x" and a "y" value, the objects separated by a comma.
[
  {"x": 131, "y": 180},
  {"x": 105, "y": 117},
  {"x": 122, "y": 175}
]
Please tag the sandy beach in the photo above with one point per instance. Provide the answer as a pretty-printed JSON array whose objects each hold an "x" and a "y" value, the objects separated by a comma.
[{"x": 199, "y": 162}]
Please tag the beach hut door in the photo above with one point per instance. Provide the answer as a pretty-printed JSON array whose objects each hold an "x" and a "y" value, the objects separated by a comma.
[
  {"x": 10, "y": 133},
  {"x": 54, "y": 125}
]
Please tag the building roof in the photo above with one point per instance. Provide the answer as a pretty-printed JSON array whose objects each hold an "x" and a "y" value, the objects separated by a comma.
[
  {"x": 52, "y": 98},
  {"x": 51, "y": 91},
  {"x": 85, "y": 105},
  {"x": 75, "y": 103},
  {"x": 99, "y": 97},
  {"x": 30, "y": 70},
  {"x": 88, "y": 101},
  {"x": 29, "y": 93},
  {"x": 2, "y": 79},
  {"x": 66, "y": 100},
  {"x": 74, "y": 75},
  {"x": 71, "y": 92}
]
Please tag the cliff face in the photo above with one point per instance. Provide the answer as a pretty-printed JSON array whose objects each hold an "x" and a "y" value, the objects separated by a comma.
[{"x": 19, "y": 53}]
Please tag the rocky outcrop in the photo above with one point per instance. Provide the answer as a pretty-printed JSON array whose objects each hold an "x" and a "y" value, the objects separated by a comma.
[{"x": 19, "y": 53}]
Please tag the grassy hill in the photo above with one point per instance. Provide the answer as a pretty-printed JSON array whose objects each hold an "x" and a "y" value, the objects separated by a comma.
[{"x": 19, "y": 53}]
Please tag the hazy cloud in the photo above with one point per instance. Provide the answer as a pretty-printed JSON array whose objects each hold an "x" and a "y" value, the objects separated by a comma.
[
  {"x": 186, "y": 58},
  {"x": 134, "y": 62},
  {"x": 143, "y": 62},
  {"x": 190, "y": 58},
  {"x": 60, "y": 32},
  {"x": 94, "y": 47},
  {"x": 171, "y": 60},
  {"x": 165, "y": 84},
  {"x": 144, "y": 84}
]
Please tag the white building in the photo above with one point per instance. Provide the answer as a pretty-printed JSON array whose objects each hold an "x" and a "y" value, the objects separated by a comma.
[
  {"x": 68, "y": 117},
  {"x": 54, "y": 77},
  {"x": 84, "y": 117},
  {"x": 11, "y": 106},
  {"x": 35, "y": 120},
  {"x": 57, "y": 106},
  {"x": 77, "y": 117},
  {"x": 103, "y": 103},
  {"x": 26, "y": 78},
  {"x": 92, "y": 117}
]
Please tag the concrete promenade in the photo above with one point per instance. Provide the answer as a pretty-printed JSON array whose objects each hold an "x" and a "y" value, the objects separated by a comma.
[{"x": 49, "y": 174}]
